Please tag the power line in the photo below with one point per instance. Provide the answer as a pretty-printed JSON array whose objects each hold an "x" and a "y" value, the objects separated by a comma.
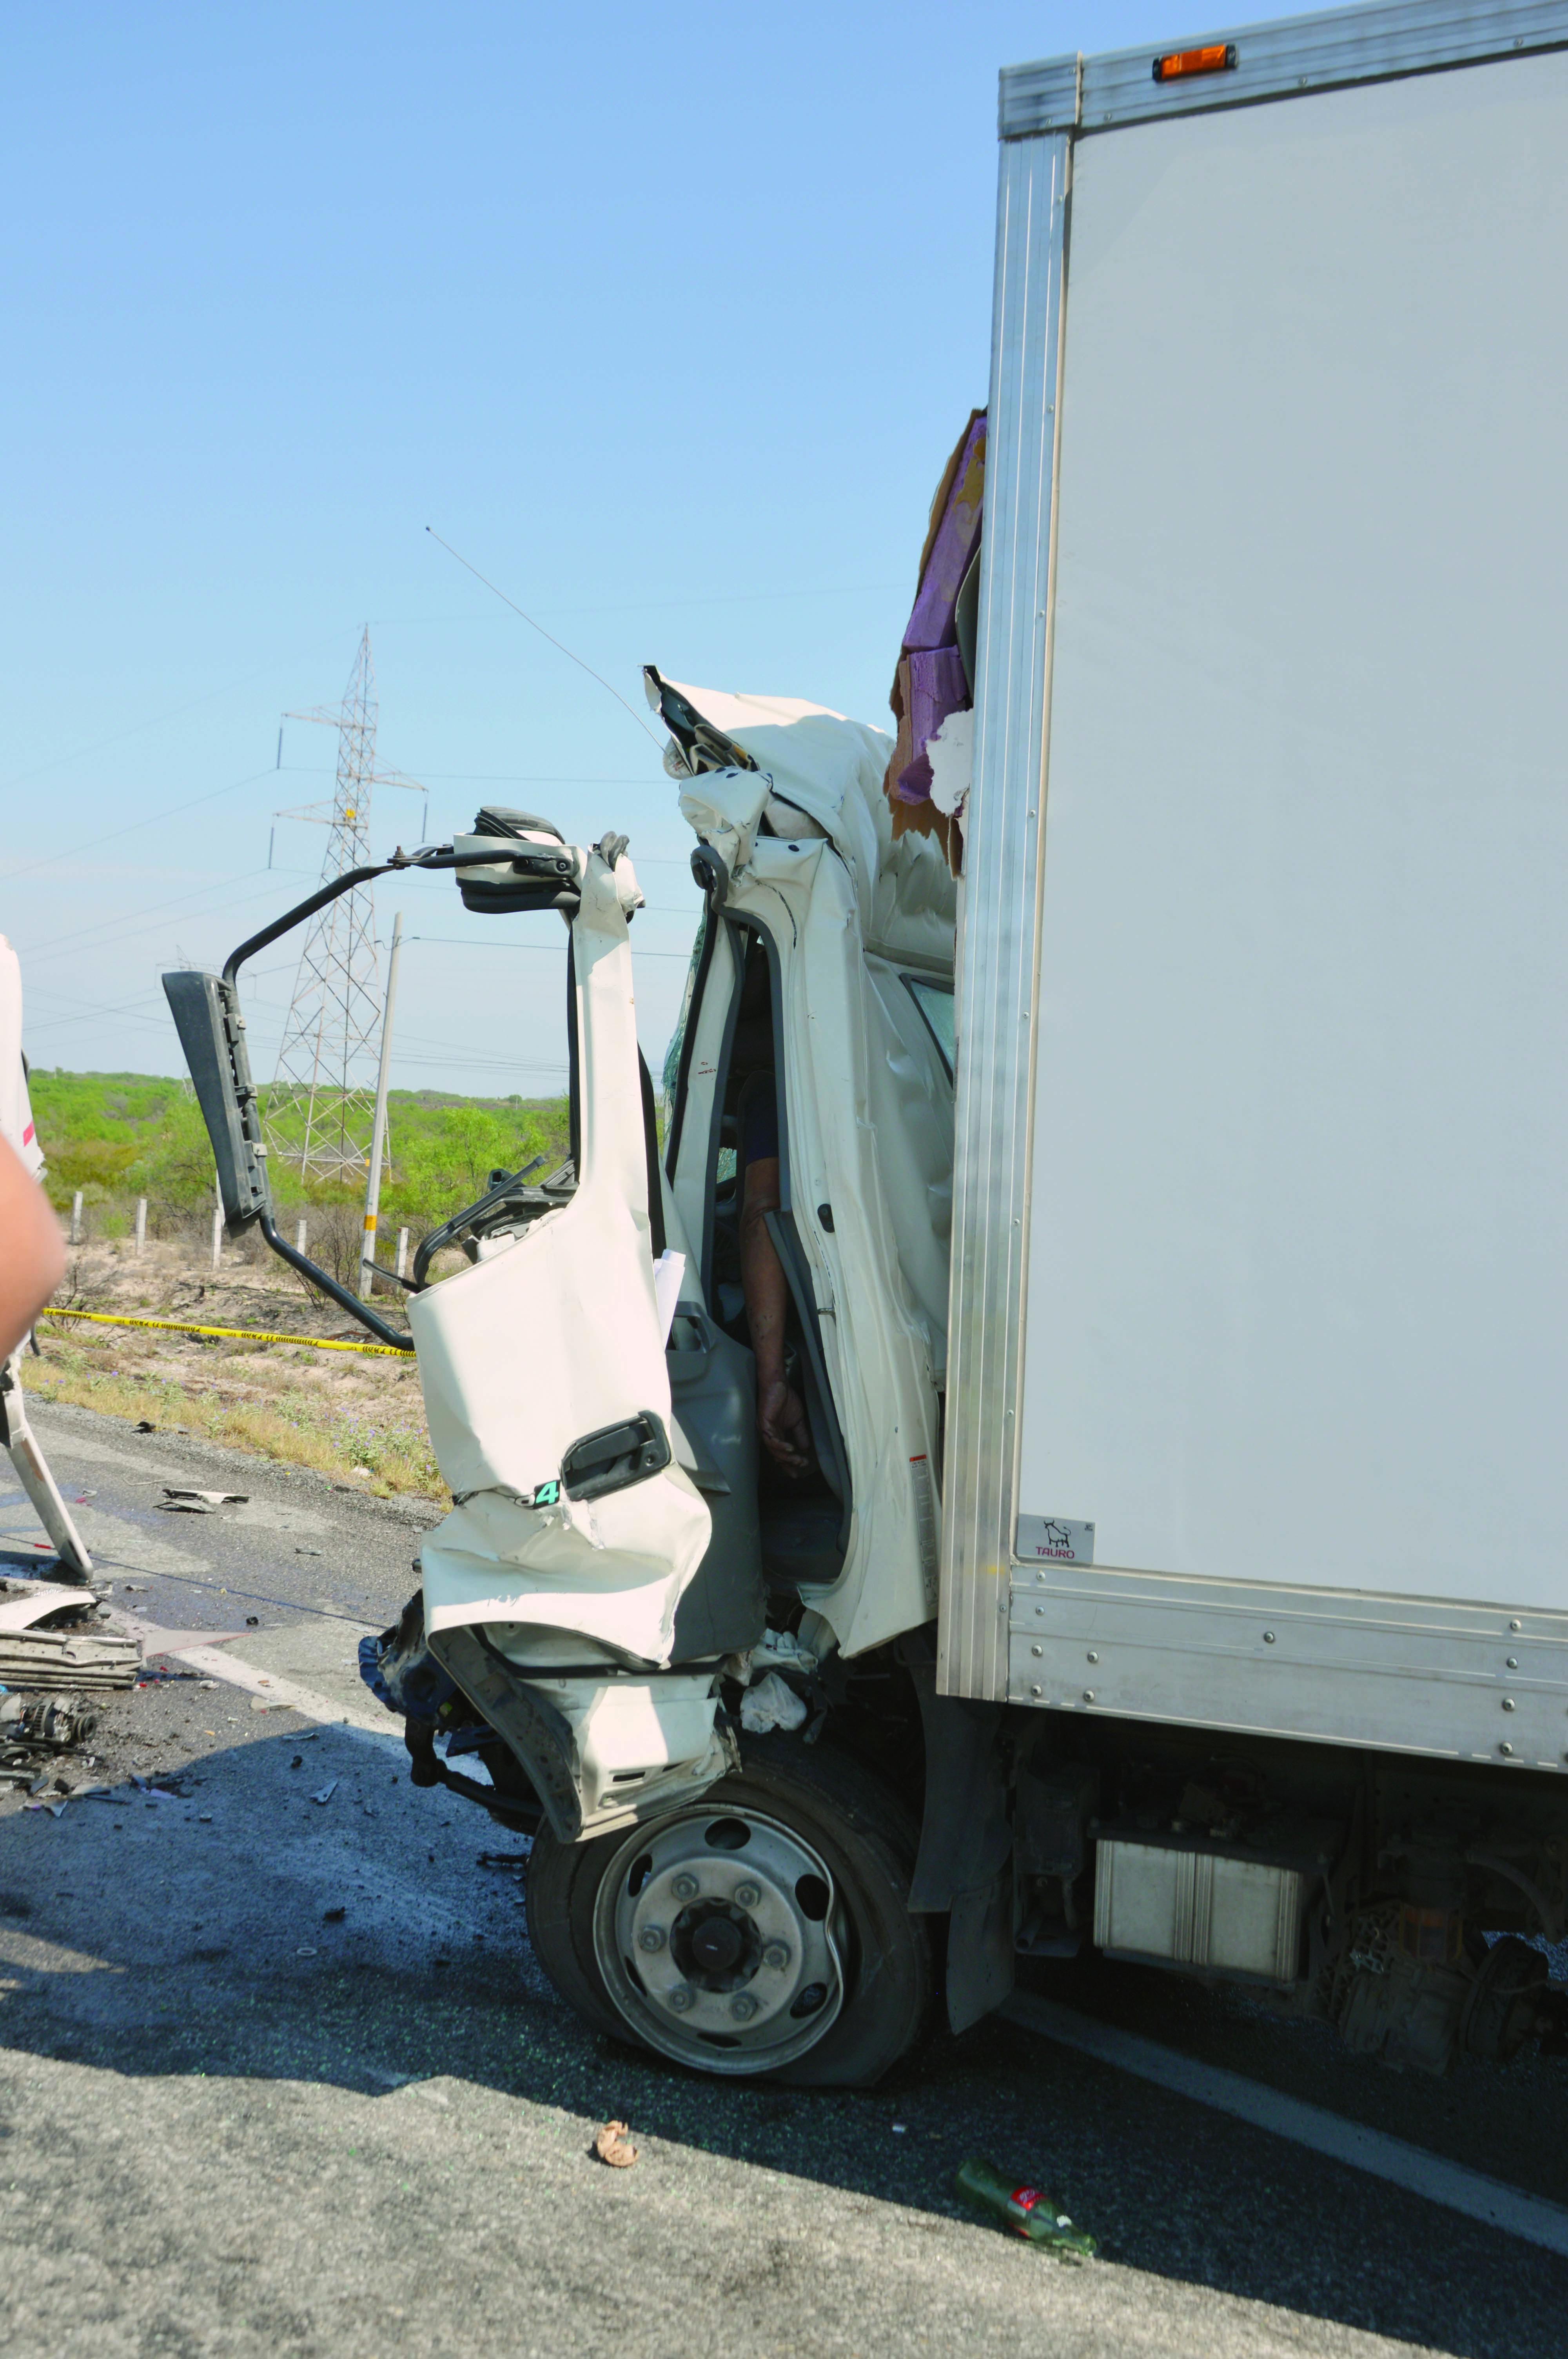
[
  {"x": 556, "y": 643},
  {"x": 132, "y": 825}
]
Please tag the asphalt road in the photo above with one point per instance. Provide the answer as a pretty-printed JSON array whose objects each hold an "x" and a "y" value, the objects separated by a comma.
[{"x": 236, "y": 2120}]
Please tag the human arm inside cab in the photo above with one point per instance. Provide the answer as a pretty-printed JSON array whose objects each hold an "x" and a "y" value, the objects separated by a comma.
[
  {"x": 781, "y": 1420},
  {"x": 32, "y": 1254}
]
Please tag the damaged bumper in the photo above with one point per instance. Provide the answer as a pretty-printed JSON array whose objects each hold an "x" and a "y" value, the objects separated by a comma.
[{"x": 594, "y": 1752}]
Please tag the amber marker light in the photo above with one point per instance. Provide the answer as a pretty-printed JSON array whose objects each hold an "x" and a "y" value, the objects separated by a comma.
[{"x": 1215, "y": 57}]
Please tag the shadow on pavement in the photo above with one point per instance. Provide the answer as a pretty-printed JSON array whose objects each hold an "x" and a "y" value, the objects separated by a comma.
[{"x": 191, "y": 1937}]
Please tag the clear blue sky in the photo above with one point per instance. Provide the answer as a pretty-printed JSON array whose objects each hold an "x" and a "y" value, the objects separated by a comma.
[{"x": 666, "y": 319}]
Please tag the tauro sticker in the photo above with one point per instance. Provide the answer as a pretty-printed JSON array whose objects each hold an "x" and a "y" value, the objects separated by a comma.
[{"x": 1055, "y": 1539}]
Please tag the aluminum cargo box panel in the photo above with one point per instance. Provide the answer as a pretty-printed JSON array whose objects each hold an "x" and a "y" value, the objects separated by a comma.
[{"x": 1296, "y": 1306}]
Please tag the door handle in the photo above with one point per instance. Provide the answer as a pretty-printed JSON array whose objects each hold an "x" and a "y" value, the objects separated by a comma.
[{"x": 615, "y": 1457}]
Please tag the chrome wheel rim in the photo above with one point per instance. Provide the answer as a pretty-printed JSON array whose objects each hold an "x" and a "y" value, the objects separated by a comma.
[{"x": 720, "y": 1936}]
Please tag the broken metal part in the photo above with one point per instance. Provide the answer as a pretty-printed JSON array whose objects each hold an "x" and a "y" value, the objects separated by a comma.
[
  {"x": 698, "y": 743},
  {"x": 16, "y": 1437},
  {"x": 507, "y": 1205}
]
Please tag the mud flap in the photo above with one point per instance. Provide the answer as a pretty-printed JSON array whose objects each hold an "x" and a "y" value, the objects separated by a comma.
[{"x": 979, "y": 1952}]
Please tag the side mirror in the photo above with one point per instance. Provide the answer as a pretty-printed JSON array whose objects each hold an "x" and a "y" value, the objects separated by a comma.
[
  {"x": 514, "y": 860},
  {"x": 206, "y": 1012}
]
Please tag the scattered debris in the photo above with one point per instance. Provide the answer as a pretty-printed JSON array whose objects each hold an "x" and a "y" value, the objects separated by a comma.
[
  {"x": 268, "y": 1703},
  {"x": 54, "y": 1724},
  {"x": 1027, "y": 2210},
  {"x": 253, "y": 1620},
  {"x": 144, "y": 1425},
  {"x": 771, "y": 1703},
  {"x": 305, "y": 1950},
  {"x": 207, "y": 1498},
  {"x": 309, "y": 1552},
  {"x": 327, "y": 1792},
  {"x": 613, "y": 2145},
  {"x": 334, "y": 1916},
  {"x": 507, "y": 1859},
  {"x": 46, "y": 1641}
]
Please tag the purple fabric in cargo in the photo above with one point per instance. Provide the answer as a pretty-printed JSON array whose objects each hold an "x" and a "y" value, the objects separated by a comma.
[
  {"x": 931, "y": 683},
  {"x": 937, "y": 687}
]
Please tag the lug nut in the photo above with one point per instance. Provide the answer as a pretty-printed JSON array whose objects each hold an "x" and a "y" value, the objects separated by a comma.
[
  {"x": 652, "y": 1936},
  {"x": 680, "y": 1998},
  {"x": 686, "y": 1887},
  {"x": 747, "y": 1896},
  {"x": 776, "y": 1955},
  {"x": 743, "y": 2007}
]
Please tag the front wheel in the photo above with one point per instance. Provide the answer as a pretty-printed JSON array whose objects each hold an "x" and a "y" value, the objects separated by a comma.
[{"x": 761, "y": 1930}]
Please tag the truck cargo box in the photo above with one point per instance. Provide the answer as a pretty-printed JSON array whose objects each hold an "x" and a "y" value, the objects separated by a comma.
[{"x": 1260, "y": 1336}]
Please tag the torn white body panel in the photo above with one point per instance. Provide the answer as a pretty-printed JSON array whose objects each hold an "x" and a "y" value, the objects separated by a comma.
[
  {"x": 638, "y": 1742},
  {"x": 807, "y": 840},
  {"x": 559, "y": 1337}
]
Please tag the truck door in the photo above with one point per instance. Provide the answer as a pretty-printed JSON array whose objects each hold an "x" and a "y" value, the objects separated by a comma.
[{"x": 544, "y": 1376}]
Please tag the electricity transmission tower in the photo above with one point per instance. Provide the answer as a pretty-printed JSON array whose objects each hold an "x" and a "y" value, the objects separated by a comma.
[{"x": 320, "y": 1106}]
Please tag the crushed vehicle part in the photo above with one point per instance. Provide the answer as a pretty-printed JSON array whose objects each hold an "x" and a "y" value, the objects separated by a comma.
[
  {"x": 69, "y": 1657},
  {"x": 599, "y": 1752}
]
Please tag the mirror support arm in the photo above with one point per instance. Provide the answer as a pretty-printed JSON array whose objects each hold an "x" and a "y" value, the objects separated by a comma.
[
  {"x": 438, "y": 857},
  {"x": 328, "y": 1285}
]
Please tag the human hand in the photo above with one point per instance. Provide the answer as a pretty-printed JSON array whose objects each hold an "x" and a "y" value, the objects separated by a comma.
[{"x": 780, "y": 1421}]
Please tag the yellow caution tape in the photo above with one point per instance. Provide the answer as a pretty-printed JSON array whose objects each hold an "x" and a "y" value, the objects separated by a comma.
[{"x": 240, "y": 1334}]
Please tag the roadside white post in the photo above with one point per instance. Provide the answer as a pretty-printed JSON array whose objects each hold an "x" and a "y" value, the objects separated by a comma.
[
  {"x": 402, "y": 1253},
  {"x": 76, "y": 1218},
  {"x": 378, "y": 1128},
  {"x": 141, "y": 1225},
  {"x": 217, "y": 1236},
  {"x": 299, "y": 1237}
]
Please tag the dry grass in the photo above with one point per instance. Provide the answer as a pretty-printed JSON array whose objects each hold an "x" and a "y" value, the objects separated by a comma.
[{"x": 356, "y": 1420}]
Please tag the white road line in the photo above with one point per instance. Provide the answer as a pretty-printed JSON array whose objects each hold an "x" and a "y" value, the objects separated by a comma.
[
  {"x": 215, "y": 1663},
  {"x": 1471, "y": 2192},
  {"x": 218, "y": 1663}
]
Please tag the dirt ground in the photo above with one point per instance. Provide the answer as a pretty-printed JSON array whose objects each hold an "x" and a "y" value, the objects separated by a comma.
[{"x": 355, "y": 1415}]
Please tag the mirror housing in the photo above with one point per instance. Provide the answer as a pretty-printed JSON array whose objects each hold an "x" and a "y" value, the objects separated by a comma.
[
  {"x": 514, "y": 860},
  {"x": 206, "y": 1012}
]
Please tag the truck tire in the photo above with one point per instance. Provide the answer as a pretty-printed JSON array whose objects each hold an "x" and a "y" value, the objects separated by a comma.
[{"x": 761, "y": 1931}]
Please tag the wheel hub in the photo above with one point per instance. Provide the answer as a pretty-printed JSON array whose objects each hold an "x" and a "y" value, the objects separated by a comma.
[{"x": 714, "y": 1934}]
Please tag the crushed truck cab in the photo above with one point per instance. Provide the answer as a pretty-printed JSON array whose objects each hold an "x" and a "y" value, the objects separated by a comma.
[{"x": 611, "y": 1551}]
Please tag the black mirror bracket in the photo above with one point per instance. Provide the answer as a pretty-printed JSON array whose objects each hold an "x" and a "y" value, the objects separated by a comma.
[{"x": 206, "y": 1010}]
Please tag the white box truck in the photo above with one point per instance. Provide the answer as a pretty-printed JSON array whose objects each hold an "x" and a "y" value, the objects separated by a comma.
[{"x": 1159, "y": 1545}]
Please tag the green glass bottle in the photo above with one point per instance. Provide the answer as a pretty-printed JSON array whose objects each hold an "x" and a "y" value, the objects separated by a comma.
[{"x": 1027, "y": 2210}]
